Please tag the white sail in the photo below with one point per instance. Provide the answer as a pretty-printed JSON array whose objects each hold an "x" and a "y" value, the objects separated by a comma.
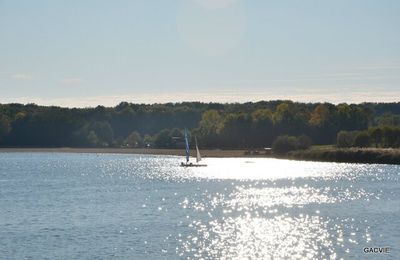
[{"x": 198, "y": 156}]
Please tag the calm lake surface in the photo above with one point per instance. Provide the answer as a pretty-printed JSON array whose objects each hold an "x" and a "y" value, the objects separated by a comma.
[{"x": 108, "y": 206}]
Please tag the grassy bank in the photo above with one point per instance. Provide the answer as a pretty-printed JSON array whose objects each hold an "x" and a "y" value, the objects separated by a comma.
[{"x": 349, "y": 155}]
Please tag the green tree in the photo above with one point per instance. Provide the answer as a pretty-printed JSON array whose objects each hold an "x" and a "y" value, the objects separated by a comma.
[
  {"x": 133, "y": 140},
  {"x": 389, "y": 119},
  {"x": 391, "y": 136},
  {"x": 163, "y": 139},
  {"x": 209, "y": 126},
  {"x": 303, "y": 142},
  {"x": 284, "y": 144},
  {"x": 282, "y": 113},
  {"x": 176, "y": 133},
  {"x": 345, "y": 139},
  {"x": 319, "y": 116},
  {"x": 210, "y": 121},
  {"x": 92, "y": 138},
  {"x": 20, "y": 115},
  {"x": 148, "y": 141},
  {"x": 376, "y": 134},
  {"x": 262, "y": 127},
  {"x": 236, "y": 130},
  {"x": 103, "y": 132},
  {"x": 362, "y": 139},
  {"x": 5, "y": 126}
]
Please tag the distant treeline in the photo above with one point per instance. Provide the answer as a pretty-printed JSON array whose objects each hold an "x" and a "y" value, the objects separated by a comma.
[{"x": 234, "y": 125}]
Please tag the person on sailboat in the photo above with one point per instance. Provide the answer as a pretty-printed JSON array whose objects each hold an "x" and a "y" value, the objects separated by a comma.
[{"x": 187, "y": 152}]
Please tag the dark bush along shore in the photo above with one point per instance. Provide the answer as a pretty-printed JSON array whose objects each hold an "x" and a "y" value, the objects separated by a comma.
[{"x": 347, "y": 155}]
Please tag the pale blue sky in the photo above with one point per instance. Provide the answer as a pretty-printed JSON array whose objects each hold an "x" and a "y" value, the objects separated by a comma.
[{"x": 80, "y": 53}]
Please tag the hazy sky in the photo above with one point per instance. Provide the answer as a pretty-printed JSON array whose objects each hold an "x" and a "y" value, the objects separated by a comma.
[{"x": 89, "y": 52}]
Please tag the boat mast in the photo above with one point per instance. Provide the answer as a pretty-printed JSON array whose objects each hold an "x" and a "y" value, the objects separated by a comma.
[{"x": 187, "y": 146}]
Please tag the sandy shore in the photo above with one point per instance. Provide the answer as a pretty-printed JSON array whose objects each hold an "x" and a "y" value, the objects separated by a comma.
[{"x": 178, "y": 152}]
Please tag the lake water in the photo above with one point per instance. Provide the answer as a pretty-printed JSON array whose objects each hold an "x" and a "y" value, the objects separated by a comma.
[{"x": 109, "y": 206}]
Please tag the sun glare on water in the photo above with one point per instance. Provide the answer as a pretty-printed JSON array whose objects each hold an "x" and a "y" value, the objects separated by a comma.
[
  {"x": 260, "y": 208},
  {"x": 259, "y": 169},
  {"x": 270, "y": 213}
]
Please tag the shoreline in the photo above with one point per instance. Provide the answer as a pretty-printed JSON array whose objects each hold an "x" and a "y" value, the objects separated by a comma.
[
  {"x": 343, "y": 155},
  {"x": 348, "y": 155},
  {"x": 217, "y": 153}
]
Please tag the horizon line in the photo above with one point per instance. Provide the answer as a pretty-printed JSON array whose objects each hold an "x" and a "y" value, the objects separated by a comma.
[{"x": 195, "y": 101}]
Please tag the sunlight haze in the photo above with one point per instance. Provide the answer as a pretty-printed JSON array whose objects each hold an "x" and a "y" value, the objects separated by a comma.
[{"x": 86, "y": 53}]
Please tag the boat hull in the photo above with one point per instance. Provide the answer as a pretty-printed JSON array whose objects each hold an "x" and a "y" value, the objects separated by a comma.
[{"x": 192, "y": 165}]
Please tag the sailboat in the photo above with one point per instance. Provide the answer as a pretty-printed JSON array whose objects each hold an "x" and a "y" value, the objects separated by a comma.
[{"x": 187, "y": 153}]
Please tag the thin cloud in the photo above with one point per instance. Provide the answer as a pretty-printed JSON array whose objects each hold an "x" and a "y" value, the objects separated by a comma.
[
  {"x": 71, "y": 80},
  {"x": 21, "y": 76},
  {"x": 382, "y": 66},
  {"x": 360, "y": 75}
]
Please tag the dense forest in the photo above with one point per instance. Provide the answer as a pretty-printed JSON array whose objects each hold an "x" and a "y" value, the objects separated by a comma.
[{"x": 233, "y": 125}]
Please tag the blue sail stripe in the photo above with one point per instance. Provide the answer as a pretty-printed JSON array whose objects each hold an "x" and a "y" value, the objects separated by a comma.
[{"x": 187, "y": 146}]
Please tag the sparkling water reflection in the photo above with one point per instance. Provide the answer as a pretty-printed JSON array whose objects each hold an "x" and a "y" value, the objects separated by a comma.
[{"x": 147, "y": 207}]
